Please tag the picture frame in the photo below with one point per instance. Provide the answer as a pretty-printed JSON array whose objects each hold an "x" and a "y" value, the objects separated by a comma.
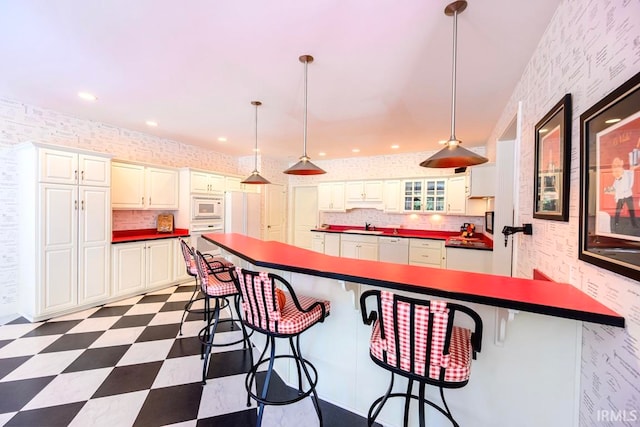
[
  {"x": 552, "y": 163},
  {"x": 610, "y": 181}
]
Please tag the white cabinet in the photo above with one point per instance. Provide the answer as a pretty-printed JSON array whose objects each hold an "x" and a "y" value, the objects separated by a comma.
[
  {"x": 179, "y": 267},
  {"x": 427, "y": 253},
  {"x": 65, "y": 230},
  {"x": 392, "y": 196},
  {"x": 482, "y": 181},
  {"x": 457, "y": 195},
  {"x": 331, "y": 196},
  {"x": 325, "y": 243},
  {"x": 206, "y": 183},
  {"x": 234, "y": 183},
  {"x": 142, "y": 187},
  {"x": 435, "y": 195},
  {"x": 359, "y": 246},
  {"x": 140, "y": 266},
  {"x": 474, "y": 260},
  {"x": 363, "y": 191}
]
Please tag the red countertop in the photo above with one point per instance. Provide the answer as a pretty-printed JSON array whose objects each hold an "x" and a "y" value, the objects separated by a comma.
[
  {"x": 452, "y": 238},
  {"x": 123, "y": 236},
  {"x": 536, "y": 296}
]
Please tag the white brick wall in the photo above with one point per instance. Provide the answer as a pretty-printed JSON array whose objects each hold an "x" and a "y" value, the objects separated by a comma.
[{"x": 589, "y": 49}]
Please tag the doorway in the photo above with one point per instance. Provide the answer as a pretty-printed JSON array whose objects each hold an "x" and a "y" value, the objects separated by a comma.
[
  {"x": 305, "y": 215},
  {"x": 276, "y": 198}
]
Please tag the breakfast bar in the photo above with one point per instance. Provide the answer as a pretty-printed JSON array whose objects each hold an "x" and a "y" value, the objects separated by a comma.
[{"x": 535, "y": 366}]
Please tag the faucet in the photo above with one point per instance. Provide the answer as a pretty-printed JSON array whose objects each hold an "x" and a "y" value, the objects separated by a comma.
[{"x": 367, "y": 226}]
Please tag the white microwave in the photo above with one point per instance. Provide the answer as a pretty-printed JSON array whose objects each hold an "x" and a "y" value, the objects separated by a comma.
[{"x": 207, "y": 207}]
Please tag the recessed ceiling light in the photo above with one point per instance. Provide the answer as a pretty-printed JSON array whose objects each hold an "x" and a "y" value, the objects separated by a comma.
[
  {"x": 395, "y": 146},
  {"x": 610, "y": 121},
  {"x": 222, "y": 139},
  {"x": 151, "y": 123},
  {"x": 322, "y": 153},
  {"x": 87, "y": 96},
  {"x": 356, "y": 150}
]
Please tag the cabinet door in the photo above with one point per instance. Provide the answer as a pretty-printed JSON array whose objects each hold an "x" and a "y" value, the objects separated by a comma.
[
  {"x": 94, "y": 244},
  {"x": 457, "y": 195},
  {"x": 372, "y": 191},
  {"x": 332, "y": 244},
  {"x": 337, "y": 196},
  {"x": 161, "y": 188},
  {"x": 94, "y": 170},
  {"x": 58, "y": 167},
  {"x": 128, "y": 268},
  {"x": 159, "y": 262},
  {"x": 216, "y": 183},
  {"x": 324, "y": 196},
  {"x": 413, "y": 195},
  {"x": 354, "y": 191},
  {"x": 317, "y": 242},
  {"x": 58, "y": 237},
  {"x": 179, "y": 267},
  {"x": 391, "y": 194},
  {"x": 368, "y": 251},
  {"x": 435, "y": 192},
  {"x": 231, "y": 183},
  {"x": 199, "y": 182},
  {"x": 127, "y": 186},
  {"x": 349, "y": 249}
]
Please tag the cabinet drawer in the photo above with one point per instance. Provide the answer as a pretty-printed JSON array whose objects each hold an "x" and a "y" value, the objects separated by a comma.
[
  {"x": 426, "y": 243},
  {"x": 425, "y": 255}
]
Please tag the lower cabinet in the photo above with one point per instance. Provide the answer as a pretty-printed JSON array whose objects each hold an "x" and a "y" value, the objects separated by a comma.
[
  {"x": 326, "y": 243},
  {"x": 427, "y": 253},
  {"x": 141, "y": 266},
  {"x": 359, "y": 247},
  {"x": 179, "y": 267},
  {"x": 476, "y": 261}
]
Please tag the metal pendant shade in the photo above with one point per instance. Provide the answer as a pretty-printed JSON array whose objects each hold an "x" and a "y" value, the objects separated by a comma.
[
  {"x": 255, "y": 177},
  {"x": 453, "y": 155},
  {"x": 304, "y": 166}
]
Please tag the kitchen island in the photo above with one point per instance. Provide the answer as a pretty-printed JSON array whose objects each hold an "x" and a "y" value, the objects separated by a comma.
[{"x": 536, "y": 366}]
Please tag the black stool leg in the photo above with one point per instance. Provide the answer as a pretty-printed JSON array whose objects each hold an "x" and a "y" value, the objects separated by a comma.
[
  {"x": 205, "y": 336},
  {"x": 212, "y": 332},
  {"x": 449, "y": 415},
  {"x": 297, "y": 357},
  {"x": 267, "y": 379},
  {"x": 300, "y": 360},
  {"x": 380, "y": 403},
  {"x": 421, "y": 403},
  {"x": 407, "y": 402},
  {"x": 187, "y": 306}
]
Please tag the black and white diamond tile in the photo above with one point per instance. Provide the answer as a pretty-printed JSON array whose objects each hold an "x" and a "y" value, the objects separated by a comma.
[{"x": 126, "y": 364}]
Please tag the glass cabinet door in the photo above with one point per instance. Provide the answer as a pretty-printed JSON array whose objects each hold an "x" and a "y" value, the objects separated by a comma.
[
  {"x": 435, "y": 195},
  {"x": 413, "y": 196}
]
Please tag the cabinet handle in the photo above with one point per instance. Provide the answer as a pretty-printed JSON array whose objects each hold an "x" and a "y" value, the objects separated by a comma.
[
  {"x": 82, "y": 205},
  {"x": 75, "y": 174},
  {"x": 82, "y": 176},
  {"x": 425, "y": 256},
  {"x": 75, "y": 204},
  {"x": 149, "y": 200},
  {"x": 143, "y": 200}
]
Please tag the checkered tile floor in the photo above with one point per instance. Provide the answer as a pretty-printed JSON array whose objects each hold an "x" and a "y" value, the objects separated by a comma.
[{"x": 125, "y": 364}]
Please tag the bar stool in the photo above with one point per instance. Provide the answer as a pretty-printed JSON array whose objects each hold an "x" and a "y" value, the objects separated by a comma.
[
  {"x": 418, "y": 340},
  {"x": 278, "y": 314},
  {"x": 192, "y": 270},
  {"x": 216, "y": 284}
]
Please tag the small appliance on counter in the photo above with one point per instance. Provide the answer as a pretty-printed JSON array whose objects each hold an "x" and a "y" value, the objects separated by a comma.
[
  {"x": 468, "y": 229},
  {"x": 164, "y": 223}
]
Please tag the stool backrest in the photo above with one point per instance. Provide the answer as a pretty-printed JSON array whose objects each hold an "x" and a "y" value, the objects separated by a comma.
[
  {"x": 212, "y": 273},
  {"x": 259, "y": 305},
  {"x": 417, "y": 333},
  {"x": 189, "y": 259}
]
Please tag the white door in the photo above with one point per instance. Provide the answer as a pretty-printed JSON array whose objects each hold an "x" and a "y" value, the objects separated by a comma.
[
  {"x": 276, "y": 202},
  {"x": 253, "y": 227},
  {"x": 504, "y": 207},
  {"x": 94, "y": 243},
  {"x": 58, "y": 234},
  {"x": 305, "y": 215}
]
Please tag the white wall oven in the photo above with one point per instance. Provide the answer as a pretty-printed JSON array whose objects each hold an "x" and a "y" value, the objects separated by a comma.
[
  {"x": 207, "y": 208},
  {"x": 200, "y": 243}
]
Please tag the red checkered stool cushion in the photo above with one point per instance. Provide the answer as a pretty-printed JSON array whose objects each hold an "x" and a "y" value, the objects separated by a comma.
[
  {"x": 215, "y": 279},
  {"x": 261, "y": 310}
]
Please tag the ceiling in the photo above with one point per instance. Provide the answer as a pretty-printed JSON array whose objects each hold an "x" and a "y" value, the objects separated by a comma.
[{"x": 381, "y": 74}]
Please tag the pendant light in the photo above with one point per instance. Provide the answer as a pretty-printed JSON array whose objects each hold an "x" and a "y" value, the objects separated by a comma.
[
  {"x": 255, "y": 177},
  {"x": 304, "y": 166},
  {"x": 453, "y": 155}
]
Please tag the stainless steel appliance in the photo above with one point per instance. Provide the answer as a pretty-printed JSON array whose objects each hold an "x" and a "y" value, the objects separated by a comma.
[{"x": 207, "y": 208}]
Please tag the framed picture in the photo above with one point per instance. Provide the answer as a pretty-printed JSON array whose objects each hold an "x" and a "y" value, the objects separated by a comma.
[
  {"x": 553, "y": 157},
  {"x": 610, "y": 181}
]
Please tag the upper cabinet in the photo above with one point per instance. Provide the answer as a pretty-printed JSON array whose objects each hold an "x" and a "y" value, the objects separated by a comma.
[
  {"x": 234, "y": 183},
  {"x": 392, "y": 195},
  {"x": 435, "y": 195},
  {"x": 206, "y": 183},
  {"x": 457, "y": 195},
  {"x": 331, "y": 196},
  {"x": 66, "y": 167},
  {"x": 482, "y": 181},
  {"x": 142, "y": 187},
  {"x": 363, "y": 191}
]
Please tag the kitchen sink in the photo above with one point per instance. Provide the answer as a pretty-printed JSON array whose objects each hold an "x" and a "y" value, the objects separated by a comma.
[{"x": 363, "y": 231}]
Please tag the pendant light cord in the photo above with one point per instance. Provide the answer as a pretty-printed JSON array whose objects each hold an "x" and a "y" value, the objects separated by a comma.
[
  {"x": 255, "y": 150},
  {"x": 453, "y": 77},
  {"x": 304, "y": 146}
]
